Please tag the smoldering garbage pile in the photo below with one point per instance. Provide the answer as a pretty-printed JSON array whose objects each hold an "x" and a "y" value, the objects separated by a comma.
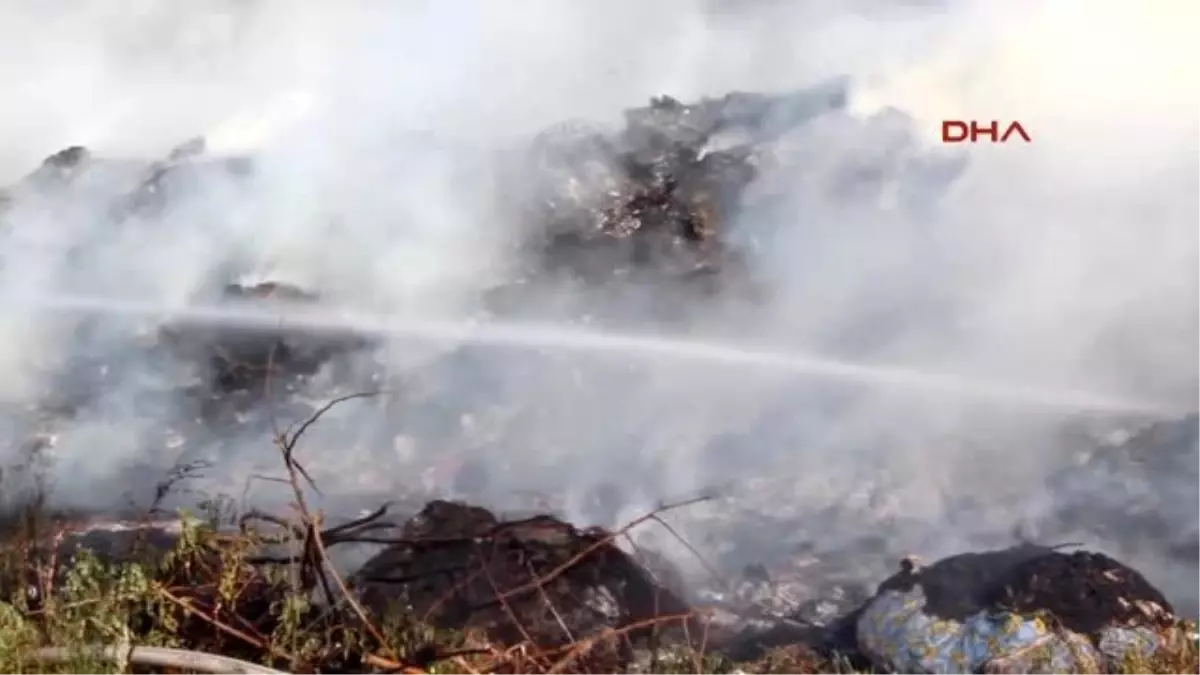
[
  {"x": 536, "y": 594},
  {"x": 649, "y": 205}
]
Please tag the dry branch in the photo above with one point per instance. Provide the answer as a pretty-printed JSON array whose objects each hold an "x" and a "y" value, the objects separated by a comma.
[{"x": 161, "y": 657}]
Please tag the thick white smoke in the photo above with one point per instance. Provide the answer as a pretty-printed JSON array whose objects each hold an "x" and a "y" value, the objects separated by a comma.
[{"x": 1069, "y": 263}]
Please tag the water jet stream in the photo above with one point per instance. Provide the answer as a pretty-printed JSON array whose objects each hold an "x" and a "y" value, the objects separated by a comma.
[{"x": 534, "y": 336}]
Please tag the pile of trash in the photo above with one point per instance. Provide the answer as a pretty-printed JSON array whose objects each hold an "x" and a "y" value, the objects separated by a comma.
[
  {"x": 658, "y": 196},
  {"x": 127, "y": 190},
  {"x": 1146, "y": 479},
  {"x": 537, "y": 579},
  {"x": 581, "y": 600},
  {"x": 246, "y": 359},
  {"x": 652, "y": 203},
  {"x": 609, "y": 213},
  {"x": 1024, "y": 609}
]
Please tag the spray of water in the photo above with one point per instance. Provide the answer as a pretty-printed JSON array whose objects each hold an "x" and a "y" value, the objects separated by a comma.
[
  {"x": 1069, "y": 262},
  {"x": 591, "y": 340}
]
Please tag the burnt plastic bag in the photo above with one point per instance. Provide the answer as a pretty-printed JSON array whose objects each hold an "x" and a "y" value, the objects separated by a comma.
[{"x": 1025, "y": 609}]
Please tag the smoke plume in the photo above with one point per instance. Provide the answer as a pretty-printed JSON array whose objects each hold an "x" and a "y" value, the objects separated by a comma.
[{"x": 386, "y": 141}]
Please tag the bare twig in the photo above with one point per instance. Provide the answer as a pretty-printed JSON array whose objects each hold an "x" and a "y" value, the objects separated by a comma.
[
  {"x": 349, "y": 597},
  {"x": 512, "y": 616},
  {"x": 598, "y": 544},
  {"x": 281, "y": 438},
  {"x": 287, "y": 445},
  {"x": 320, "y": 412},
  {"x": 577, "y": 650},
  {"x": 549, "y": 604},
  {"x": 709, "y": 568}
]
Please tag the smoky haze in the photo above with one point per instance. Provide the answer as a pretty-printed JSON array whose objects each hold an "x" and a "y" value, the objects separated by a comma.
[{"x": 1068, "y": 264}]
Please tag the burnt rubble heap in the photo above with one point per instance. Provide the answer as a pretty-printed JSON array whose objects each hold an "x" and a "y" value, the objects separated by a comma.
[
  {"x": 659, "y": 194},
  {"x": 608, "y": 213},
  {"x": 536, "y": 579},
  {"x": 653, "y": 203},
  {"x": 576, "y": 599},
  {"x": 650, "y": 203},
  {"x": 1024, "y": 609},
  {"x": 242, "y": 359}
]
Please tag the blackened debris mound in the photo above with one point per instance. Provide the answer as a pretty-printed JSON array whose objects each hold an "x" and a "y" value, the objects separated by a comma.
[
  {"x": 61, "y": 167},
  {"x": 1137, "y": 491},
  {"x": 187, "y": 172},
  {"x": 961, "y": 585},
  {"x": 1085, "y": 591},
  {"x": 270, "y": 290},
  {"x": 653, "y": 201},
  {"x": 537, "y": 579},
  {"x": 243, "y": 359},
  {"x": 67, "y": 158},
  {"x": 193, "y": 147}
]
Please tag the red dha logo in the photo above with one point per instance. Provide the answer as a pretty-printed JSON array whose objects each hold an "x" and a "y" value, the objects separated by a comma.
[{"x": 957, "y": 131}]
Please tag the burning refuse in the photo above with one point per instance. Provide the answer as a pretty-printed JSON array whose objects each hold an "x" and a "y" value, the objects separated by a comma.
[
  {"x": 575, "y": 598},
  {"x": 651, "y": 205},
  {"x": 248, "y": 359}
]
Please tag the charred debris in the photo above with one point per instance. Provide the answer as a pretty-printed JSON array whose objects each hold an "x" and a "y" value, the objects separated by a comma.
[
  {"x": 651, "y": 203},
  {"x": 457, "y": 586},
  {"x": 648, "y": 205},
  {"x": 659, "y": 196}
]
